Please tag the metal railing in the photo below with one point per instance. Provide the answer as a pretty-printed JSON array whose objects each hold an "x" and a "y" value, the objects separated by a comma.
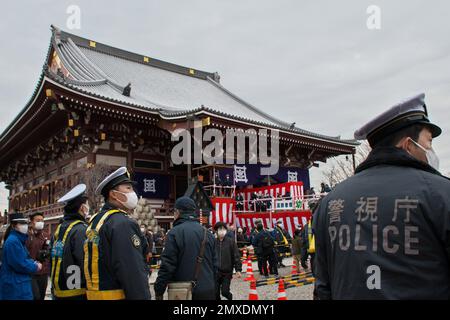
[{"x": 272, "y": 204}]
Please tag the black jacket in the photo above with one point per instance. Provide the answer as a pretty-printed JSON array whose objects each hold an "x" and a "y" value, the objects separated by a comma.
[
  {"x": 242, "y": 240},
  {"x": 260, "y": 250},
  {"x": 178, "y": 259},
  {"x": 228, "y": 255},
  {"x": 147, "y": 239},
  {"x": 121, "y": 255},
  {"x": 385, "y": 232},
  {"x": 72, "y": 252}
]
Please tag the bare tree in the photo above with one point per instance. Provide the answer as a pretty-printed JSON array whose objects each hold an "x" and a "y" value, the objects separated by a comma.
[
  {"x": 92, "y": 177},
  {"x": 342, "y": 168}
]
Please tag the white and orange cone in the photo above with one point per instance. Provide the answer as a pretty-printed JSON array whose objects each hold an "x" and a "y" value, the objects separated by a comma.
[
  {"x": 253, "y": 294},
  {"x": 281, "y": 290},
  {"x": 294, "y": 269},
  {"x": 250, "y": 276}
]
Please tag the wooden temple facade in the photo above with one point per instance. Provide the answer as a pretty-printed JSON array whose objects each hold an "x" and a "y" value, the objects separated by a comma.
[{"x": 97, "y": 106}]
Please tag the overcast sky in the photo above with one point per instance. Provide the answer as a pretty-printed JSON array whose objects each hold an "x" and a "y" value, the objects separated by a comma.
[{"x": 312, "y": 62}]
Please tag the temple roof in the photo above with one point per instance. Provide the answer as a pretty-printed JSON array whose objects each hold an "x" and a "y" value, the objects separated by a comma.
[{"x": 171, "y": 90}]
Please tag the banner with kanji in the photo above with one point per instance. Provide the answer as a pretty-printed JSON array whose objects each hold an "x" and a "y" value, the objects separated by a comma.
[
  {"x": 152, "y": 185},
  {"x": 250, "y": 174}
]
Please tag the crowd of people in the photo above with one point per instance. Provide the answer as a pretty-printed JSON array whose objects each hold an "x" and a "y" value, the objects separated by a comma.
[{"x": 259, "y": 201}]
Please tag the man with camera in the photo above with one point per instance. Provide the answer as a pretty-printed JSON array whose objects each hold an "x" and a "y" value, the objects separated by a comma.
[{"x": 38, "y": 245}]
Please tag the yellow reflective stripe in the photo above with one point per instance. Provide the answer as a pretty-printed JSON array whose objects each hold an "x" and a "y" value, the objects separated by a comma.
[
  {"x": 105, "y": 295},
  {"x": 94, "y": 277},
  {"x": 53, "y": 258},
  {"x": 87, "y": 275},
  {"x": 69, "y": 293},
  {"x": 94, "y": 267},
  {"x": 311, "y": 239},
  {"x": 57, "y": 231},
  {"x": 284, "y": 239},
  {"x": 105, "y": 216},
  {"x": 58, "y": 266},
  {"x": 93, "y": 217}
]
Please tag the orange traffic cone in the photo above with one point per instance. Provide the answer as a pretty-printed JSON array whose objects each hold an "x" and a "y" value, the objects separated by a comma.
[
  {"x": 281, "y": 290},
  {"x": 253, "y": 294},
  {"x": 244, "y": 254},
  {"x": 250, "y": 276},
  {"x": 294, "y": 269}
]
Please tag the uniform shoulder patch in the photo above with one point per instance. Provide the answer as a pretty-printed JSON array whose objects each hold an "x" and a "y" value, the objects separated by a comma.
[{"x": 136, "y": 241}]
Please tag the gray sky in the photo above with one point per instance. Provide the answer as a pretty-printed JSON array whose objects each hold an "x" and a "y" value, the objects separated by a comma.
[{"x": 313, "y": 62}]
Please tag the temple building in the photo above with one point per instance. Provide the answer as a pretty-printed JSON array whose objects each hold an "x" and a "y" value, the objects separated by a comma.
[{"x": 96, "y": 107}]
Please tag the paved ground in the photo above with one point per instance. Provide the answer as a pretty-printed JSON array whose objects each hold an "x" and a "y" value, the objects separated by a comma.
[{"x": 240, "y": 288}]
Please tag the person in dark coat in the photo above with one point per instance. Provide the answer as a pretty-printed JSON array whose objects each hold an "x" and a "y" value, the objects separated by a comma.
[
  {"x": 38, "y": 245},
  {"x": 239, "y": 202},
  {"x": 282, "y": 238},
  {"x": 67, "y": 246},
  {"x": 384, "y": 233},
  {"x": 147, "y": 235},
  {"x": 119, "y": 270},
  {"x": 307, "y": 236},
  {"x": 242, "y": 239},
  {"x": 253, "y": 237},
  {"x": 264, "y": 249},
  {"x": 182, "y": 247},
  {"x": 17, "y": 265},
  {"x": 297, "y": 245},
  {"x": 229, "y": 259}
]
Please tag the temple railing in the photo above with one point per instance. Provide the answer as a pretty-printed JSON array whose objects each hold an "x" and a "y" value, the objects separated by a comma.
[{"x": 273, "y": 204}]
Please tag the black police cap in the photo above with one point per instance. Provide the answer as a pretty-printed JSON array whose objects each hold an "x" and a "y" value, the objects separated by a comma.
[{"x": 410, "y": 112}]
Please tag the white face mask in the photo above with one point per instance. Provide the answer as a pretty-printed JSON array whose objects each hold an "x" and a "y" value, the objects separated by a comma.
[
  {"x": 39, "y": 225},
  {"x": 222, "y": 233},
  {"x": 22, "y": 228},
  {"x": 132, "y": 200},
  {"x": 142, "y": 230},
  {"x": 432, "y": 158}
]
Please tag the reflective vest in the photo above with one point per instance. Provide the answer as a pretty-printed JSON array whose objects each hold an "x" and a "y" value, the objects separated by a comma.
[
  {"x": 91, "y": 260},
  {"x": 284, "y": 240},
  {"x": 311, "y": 239},
  {"x": 57, "y": 254}
]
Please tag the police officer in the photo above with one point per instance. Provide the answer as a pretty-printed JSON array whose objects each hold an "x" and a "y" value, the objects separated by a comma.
[
  {"x": 282, "y": 238},
  {"x": 115, "y": 267},
  {"x": 67, "y": 253},
  {"x": 385, "y": 232}
]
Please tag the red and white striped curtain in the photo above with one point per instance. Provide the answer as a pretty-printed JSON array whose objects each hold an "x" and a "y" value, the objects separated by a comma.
[
  {"x": 223, "y": 211},
  {"x": 290, "y": 219},
  {"x": 295, "y": 189}
]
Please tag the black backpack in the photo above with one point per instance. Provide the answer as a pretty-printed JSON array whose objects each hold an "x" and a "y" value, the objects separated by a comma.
[{"x": 266, "y": 241}]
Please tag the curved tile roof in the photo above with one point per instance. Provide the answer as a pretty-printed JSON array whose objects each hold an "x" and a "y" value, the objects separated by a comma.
[{"x": 172, "y": 90}]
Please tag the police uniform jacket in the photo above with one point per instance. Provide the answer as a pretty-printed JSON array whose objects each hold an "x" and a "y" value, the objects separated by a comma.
[
  {"x": 67, "y": 251},
  {"x": 118, "y": 270},
  {"x": 385, "y": 232}
]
